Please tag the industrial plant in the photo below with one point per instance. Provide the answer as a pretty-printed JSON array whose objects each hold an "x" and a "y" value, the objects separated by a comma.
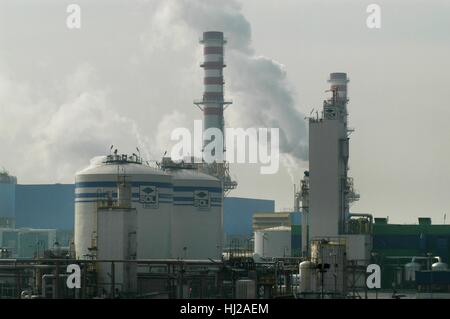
[{"x": 128, "y": 229}]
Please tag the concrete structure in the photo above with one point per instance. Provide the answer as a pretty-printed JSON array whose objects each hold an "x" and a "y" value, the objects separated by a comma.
[
  {"x": 117, "y": 231},
  {"x": 330, "y": 188}
]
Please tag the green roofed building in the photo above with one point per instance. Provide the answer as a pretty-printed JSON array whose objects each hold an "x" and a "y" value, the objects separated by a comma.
[{"x": 395, "y": 245}]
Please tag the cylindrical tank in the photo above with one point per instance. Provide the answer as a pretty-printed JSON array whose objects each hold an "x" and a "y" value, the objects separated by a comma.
[
  {"x": 245, "y": 289},
  {"x": 151, "y": 196},
  {"x": 439, "y": 265},
  {"x": 410, "y": 270},
  {"x": 197, "y": 223},
  {"x": 7, "y": 200},
  {"x": 306, "y": 276},
  {"x": 273, "y": 242}
]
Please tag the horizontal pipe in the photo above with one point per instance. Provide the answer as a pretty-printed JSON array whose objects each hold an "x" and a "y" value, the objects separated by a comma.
[{"x": 13, "y": 262}]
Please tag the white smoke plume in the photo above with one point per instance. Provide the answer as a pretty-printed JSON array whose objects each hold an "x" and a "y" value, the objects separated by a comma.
[
  {"x": 53, "y": 137},
  {"x": 257, "y": 84},
  {"x": 52, "y": 123}
]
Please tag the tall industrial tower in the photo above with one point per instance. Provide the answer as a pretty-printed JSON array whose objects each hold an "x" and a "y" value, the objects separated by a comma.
[
  {"x": 213, "y": 103},
  {"x": 330, "y": 188}
]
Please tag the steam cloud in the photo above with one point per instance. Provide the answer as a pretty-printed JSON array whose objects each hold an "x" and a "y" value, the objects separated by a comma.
[
  {"x": 52, "y": 139},
  {"x": 50, "y": 130},
  {"x": 257, "y": 84}
]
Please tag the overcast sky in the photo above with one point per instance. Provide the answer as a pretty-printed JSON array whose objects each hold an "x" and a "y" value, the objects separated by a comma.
[{"x": 130, "y": 74}]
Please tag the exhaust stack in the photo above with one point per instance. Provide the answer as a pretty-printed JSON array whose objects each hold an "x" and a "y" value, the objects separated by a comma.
[{"x": 213, "y": 102}]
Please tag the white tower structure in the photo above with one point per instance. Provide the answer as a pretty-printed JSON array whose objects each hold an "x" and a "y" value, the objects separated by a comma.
[{"x": 330, "y": 189}]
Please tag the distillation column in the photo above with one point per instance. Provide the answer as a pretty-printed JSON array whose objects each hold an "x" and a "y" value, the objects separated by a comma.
[{"x": 328, "y": 163}]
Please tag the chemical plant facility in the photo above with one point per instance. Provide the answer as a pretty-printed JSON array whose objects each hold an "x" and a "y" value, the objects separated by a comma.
[{"x": 172, "y": 231}]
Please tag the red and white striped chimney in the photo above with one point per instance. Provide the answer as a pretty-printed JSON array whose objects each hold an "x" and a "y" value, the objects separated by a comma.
[{"x": 213, "y": 101}]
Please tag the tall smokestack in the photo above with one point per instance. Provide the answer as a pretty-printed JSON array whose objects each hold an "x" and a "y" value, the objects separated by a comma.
[
  {"x": 212, "y": 104},
  {"x": 213, "y": 101}
]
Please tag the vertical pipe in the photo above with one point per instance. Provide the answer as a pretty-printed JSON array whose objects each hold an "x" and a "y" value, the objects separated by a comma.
[
  {"x": 113, "y": 279},
  {"x": 56, "y": 282}
]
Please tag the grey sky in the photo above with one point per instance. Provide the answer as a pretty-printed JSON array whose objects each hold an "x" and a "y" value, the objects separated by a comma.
[{"x": 130, "y": 75}]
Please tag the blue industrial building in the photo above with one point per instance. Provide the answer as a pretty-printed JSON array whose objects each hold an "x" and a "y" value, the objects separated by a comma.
[
  {"x": 238, "y": 214},
  {"x": 45, "y": 206}
]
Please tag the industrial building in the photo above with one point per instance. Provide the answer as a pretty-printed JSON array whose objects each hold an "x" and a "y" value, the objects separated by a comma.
[
  {"x": 52, "y": 207},
  {"x": 45, "y": 206},
  {"x": 398, "y": 247},
  {"x": 171, "y": 231}
]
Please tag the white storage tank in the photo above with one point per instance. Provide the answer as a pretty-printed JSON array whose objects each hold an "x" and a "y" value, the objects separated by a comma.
[
  {"x": 439, "y": 265},
  {"x": 273, "y": 242},
  {"x": 197, "y": 223},
  {"x": 410, "y": 270},
  {"x": 151, "y": 196}
]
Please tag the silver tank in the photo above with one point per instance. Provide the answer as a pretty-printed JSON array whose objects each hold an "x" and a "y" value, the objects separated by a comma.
[
  {"x": 307, "y": 274},
  {"x": 151, "y": 195},
  {"x": 439, "y": 265},
  {"x": 410, "y": 270}
]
